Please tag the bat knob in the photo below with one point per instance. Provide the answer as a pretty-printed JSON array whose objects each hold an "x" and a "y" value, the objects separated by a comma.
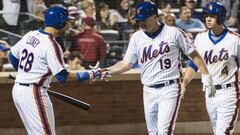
[{"x": 11, "y": 77}]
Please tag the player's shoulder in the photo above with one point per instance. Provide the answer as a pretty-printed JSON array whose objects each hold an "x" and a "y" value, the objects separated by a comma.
[
  {"x": 171, "y": 28},
  {"x": 234, "y": 34},
  {"x": 137, "y": 34},
  {"x": 202, "y": 33}
]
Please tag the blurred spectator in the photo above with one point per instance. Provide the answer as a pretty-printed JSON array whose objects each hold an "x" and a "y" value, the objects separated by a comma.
[
  {"x": 76, "y": 24},
  {"x": 103, "y": 17},
  {"x": 131, "y": 21},
  {"x": 32, "y": 6},
  {"x": 88, "y": 7},
  {"x": 73, "y": 29},
  {"x": 165, "y": 7},
  {"x": 113, "y": 56},
  {"x": 89, "y": 43},
  {"x": 9, "y": 20},
  {"x": 191, "y": 4},
  {"x": 170, "y": 19},
  {"x": 75, "y": 61},
  {"x": 36, "y": 22},
  {"x": 186, "y": 22},
  {"x": 4, "y": 48},
  {"x": 121, "y": 14}
]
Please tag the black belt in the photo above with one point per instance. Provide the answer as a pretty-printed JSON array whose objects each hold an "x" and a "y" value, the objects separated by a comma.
[
  {"x": 218, "y": 87},
  {"x": 162, "y": 84},
  {"x": 28, "y": 84}
]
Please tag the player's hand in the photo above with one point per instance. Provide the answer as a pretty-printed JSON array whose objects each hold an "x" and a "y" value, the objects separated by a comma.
[
  {"x": 208, "y": 86},
  {"x": 183, "y": 89},
  {"x": 99, "y": 73}
]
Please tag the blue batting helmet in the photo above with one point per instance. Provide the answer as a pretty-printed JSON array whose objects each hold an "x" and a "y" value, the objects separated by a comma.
[
  {"x": 56, "y": 17},
  {"x": 216, "y": 8},
  {"x": 145, "y": 10}
]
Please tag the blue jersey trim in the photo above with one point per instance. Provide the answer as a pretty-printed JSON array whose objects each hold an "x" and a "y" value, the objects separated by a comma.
[
  {"x": 14, "y": 61},
  {"x": 222, "y": 35},
  {"x": 192, "y": 65},
  {"x": 62, "y": 76},
  {"x": 156, "y": 33}
]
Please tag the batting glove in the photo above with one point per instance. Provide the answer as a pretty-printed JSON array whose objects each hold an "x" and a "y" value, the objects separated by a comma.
[
  {"x": 100, "y": 73},
  {"x": 208, "y": 86}
]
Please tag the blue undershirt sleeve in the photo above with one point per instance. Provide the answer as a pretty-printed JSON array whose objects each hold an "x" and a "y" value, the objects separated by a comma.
[
  {"x": 14, "y": 61},
  {"x": 62, "y": 76},
  {"x": 192, "y": 65}
]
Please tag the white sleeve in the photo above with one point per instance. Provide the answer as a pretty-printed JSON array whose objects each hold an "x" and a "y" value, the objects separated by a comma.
[
  {"x": 238, "y": 50},
  {"x": 196, "y": 41},
  {"x": 131, "y": 53},
  {"x": 184, "y": 42},
  {"x": 16, "y": 49},
  {"x": 55, "y": 60}
]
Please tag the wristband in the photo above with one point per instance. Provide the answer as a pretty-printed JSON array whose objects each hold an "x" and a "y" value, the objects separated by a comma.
[{"x": 82, "y": 76}]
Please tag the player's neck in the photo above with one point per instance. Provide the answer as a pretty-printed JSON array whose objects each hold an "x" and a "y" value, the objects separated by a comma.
[
  {"x": 217, "y": 30},
  {"x": 154, "y": 29},
  {"x": 52, "y": 31}
]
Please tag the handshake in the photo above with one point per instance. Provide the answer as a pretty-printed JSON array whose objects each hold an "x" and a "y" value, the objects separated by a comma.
[{"x": 98, "y": 73}]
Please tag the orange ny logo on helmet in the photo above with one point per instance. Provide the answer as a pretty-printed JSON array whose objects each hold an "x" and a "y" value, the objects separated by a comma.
[
  {"x": 210, "y": 7},
  {"x": 138, "y": 11}
]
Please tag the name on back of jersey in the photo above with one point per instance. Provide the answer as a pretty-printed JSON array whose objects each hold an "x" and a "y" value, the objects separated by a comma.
[{"x": 33, "y": 41}]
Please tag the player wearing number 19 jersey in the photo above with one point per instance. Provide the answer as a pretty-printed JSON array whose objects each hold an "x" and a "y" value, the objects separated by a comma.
[{"x": 156, "y": 48}]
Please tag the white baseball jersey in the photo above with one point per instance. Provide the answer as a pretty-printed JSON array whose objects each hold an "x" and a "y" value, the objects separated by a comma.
[
  {"x": 221, "y": 56},
  {"x": 39, "y": 56},
  {"x": 159, "y": 58}
]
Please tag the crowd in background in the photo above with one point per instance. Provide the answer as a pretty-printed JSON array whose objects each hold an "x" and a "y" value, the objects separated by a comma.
[{"x": 101, "y": 28}]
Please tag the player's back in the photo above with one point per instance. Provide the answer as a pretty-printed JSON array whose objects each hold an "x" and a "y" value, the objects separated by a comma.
[{"x": 37, "y": 52}]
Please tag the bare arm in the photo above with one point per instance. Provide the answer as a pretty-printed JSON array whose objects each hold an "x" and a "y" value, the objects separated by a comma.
[
  {"x": 188, "y": 76},
  {"x": 120, "y": 67}
]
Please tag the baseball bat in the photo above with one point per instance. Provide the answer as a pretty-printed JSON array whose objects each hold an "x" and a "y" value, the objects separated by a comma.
[{"x": 65, "y": 98}]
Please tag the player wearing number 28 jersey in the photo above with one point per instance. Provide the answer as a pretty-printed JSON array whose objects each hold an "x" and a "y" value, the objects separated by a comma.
[{"x": 37, "y": 57}]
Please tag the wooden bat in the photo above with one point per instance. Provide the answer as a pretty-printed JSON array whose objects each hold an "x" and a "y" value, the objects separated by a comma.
[{"x": 65, "y": 98}]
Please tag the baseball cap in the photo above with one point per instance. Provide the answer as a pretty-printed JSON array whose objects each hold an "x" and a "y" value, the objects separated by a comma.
[
  {"x": 195, "y": 1},
  {"x": 72, "y": 10},
  {"x": 89, "y": 21}
]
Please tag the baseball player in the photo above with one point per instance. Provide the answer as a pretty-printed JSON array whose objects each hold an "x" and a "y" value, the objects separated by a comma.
[
  {"x": 156, "y": 48},
  {"x": 37, "y": 57},
  {"x": 220, "y": 49}
]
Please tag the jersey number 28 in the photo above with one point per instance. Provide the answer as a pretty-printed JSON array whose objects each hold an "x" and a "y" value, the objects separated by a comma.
[{"x": 26, "y": 60}]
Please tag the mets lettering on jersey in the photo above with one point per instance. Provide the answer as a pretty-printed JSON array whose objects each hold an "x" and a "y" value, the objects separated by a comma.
[
  {"x": 221, "y": 56},
  {"x": 161, "y": 54}
]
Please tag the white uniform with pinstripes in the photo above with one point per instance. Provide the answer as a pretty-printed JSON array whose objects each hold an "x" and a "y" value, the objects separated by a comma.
[
  {"x": 159, "y": 61},
  {"x": 222, "y": 59},
  {"x": 40, "y": 57}
]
